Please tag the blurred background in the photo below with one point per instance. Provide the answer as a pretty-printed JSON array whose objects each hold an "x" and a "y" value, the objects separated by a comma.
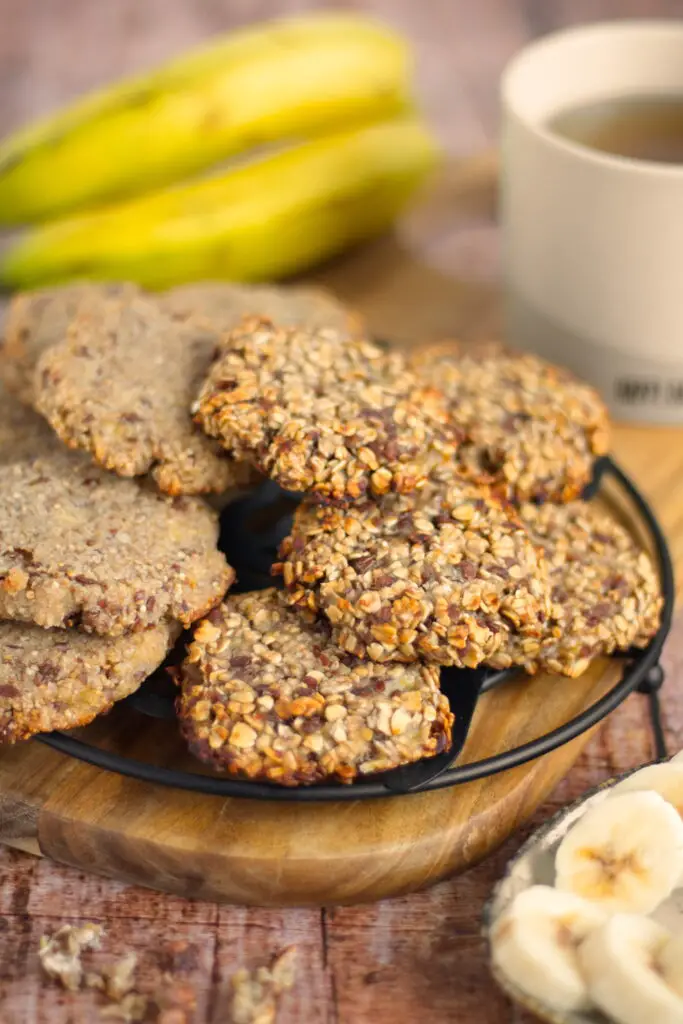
[{"x": 52, "y": 51}]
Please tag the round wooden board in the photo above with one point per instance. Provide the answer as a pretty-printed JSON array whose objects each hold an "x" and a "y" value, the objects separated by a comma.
[{"x": 255, "y": 852}]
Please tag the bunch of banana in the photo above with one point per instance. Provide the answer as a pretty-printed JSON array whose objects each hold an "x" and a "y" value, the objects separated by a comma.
[
  {"x": 316, "y": 108},
  {"x": 587, "y": 942}
]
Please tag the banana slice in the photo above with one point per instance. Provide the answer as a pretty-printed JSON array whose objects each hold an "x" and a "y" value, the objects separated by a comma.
[
  {"x": 620, "y": 961},
  {"x": 677, "y": 758},
  {"x": 626, "y": 853},
  {"x": 534, "y": 945},
  {"x": 665, "y": 779},
  {"x": 671, "y": 964}
]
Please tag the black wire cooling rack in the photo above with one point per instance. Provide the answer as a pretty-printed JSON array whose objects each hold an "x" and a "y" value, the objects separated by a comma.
[{"x": 251, "y": 530}]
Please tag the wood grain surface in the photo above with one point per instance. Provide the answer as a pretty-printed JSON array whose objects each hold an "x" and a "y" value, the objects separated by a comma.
[{"x": 418, "y": 957}]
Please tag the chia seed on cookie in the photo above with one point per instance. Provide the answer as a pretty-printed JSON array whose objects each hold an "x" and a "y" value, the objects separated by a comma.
[
  {"x": 266, "y": 695},
  {"x": 605, "y": 592},
  {"x": 448, "y": 575},
  {"x": 319, "y": 412},
  {"x": 61, "y": 679},
  {"x": 530, "y": 426},
  {"x": 79, "y": 546}
]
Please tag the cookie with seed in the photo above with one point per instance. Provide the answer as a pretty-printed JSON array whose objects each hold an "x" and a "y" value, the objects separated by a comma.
[
  {"x": 39, "y": 319},
  {"x": 79, "y": 546},
  {"x": 317, "y": 411},
  {"x": 61, "y": 679},
  {"x": 120, "y": 387},
  {"x": 605, "y": 592},
  {"x": 448, "y": 575},
  {"x": 266, "y": 695},
  {"x": 529, "y": 425}
]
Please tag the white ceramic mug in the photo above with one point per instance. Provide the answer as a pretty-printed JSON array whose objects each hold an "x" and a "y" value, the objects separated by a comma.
[{"x": 593, "y": 243}]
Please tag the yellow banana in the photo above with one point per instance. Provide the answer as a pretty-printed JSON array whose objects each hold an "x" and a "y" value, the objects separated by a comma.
[
  {"x": 265, "y": 219},
  {"x": 283, "y": 80}
]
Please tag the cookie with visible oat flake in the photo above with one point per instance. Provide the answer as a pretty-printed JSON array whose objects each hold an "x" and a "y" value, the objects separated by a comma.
[
  {"x": 266, "y": 695},
  {"x": 529, "y": 425},
  {"x": 319, "y": 412},
  {"x": 120, "y": 387},
  {"x": 79, "y": 546},
  {"x": 448, "y": 575},
  {"x": 605, "y": 592},
  {"x": 61, "y": 679}
]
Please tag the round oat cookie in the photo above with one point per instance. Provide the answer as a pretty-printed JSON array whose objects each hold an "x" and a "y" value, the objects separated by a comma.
[
  {"x": 61, "y": 679},
  {"x": 320, "y": 412},
  {"x": 120, "y": 387},
  {"x": 605, "y": 591},
  {"x": 37, "y": 320},
  {"x": 530, "y": 425},
  {"x": 82, "y": 547},
  {"x": 448, "y": 575},
  {"x": 266, "y": 695}
]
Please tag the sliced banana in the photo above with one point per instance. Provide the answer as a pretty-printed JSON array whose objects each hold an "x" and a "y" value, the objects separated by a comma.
[
  {"x": 677, "y": 758},
  {"x": 665, "y": 779},
  {"x": 626, "y": 853},
  {"x": 620, "y": 962},
  {"x": 671, "y": 963},
  {"x": 534, "y": 945}
]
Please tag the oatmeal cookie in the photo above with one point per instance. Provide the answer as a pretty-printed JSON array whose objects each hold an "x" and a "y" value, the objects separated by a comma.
[
  {"x": 120, "y": 387},
  {"x": 61, "y": 679},
  {"x": 227, "y": 304},
  {"x": 448, "y": 575},
  {"x": 38, "y": 319},
  {"x": 82, "y": 547},
  {"x": 605, "y": 591},
  {"x": 266, "y": 695},
  {"x": 317, "y": 411},
  {"x": 530, "y": 425}
]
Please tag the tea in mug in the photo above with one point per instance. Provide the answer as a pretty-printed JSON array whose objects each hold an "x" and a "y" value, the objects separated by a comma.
[{"x": 642, "y": 127}]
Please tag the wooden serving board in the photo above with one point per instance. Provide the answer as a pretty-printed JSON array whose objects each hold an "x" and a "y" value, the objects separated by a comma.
[{"x": 260, "y": 853}]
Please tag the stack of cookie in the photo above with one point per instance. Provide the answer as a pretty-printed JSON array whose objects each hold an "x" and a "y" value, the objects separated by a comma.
[{"x": 439, "y": 525}]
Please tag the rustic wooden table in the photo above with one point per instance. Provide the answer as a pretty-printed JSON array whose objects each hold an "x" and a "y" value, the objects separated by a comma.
[{"x": 410, "y": 959}]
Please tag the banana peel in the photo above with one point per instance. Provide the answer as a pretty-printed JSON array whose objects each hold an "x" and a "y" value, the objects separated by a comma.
[
  {"x": 267, "y": 219},
  {"x": 290, "y": 79}
]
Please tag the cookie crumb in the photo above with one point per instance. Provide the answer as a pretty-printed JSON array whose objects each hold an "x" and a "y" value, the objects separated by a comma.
[
  {"x": 60, "y": 953},
  {"x": 254, "y": 997}
]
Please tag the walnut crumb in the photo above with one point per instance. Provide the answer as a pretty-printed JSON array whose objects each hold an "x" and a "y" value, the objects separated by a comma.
[{"x": 60, "y": 954}]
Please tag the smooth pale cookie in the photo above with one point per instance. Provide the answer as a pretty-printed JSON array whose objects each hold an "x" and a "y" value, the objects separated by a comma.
[
  {"x": 605, "y": 591},
  {"x": 227, "y": 304},
  {"x": 529, "y": 425},
  {"x": 266, "y": 695},
  {"x": 23, "y": 433},
  {"x": 82, "y": 547},
  {"x": 120, "y": 387},
  {"x": 37, "y": 320},
  {"x": 448, "y": 575},
  {"x": 317, "y": 411},
  {"x": 61, "y": 679}
]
